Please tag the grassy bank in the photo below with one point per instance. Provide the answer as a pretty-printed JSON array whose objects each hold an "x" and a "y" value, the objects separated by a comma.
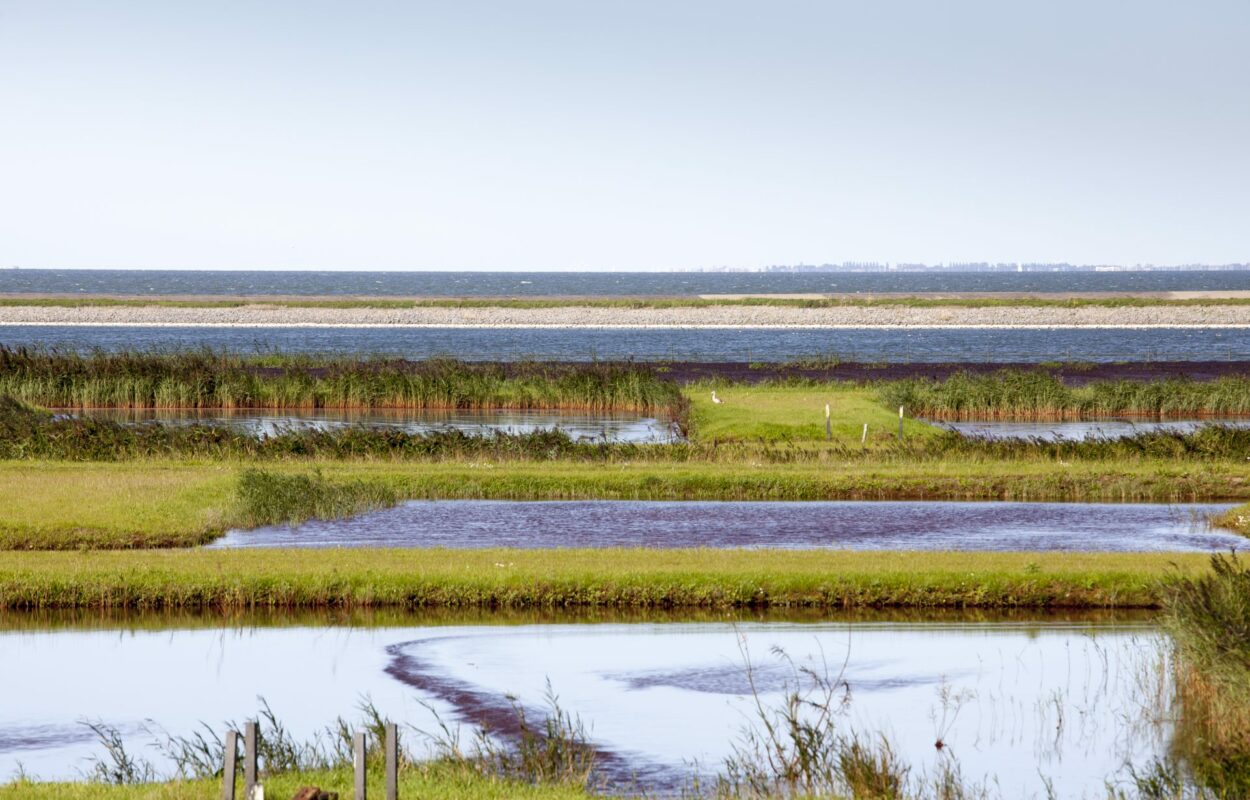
[
  {"x": 1235, "y": 519},
  {"x": 420, "y": 781},
  {"x": 632, "y": 578},
  {"x": 205, "y": 379},
  {"x": 158, "y": 503}
]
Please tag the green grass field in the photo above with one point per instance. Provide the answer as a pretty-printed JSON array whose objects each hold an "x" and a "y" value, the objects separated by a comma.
[
  {"x": 584, "y": 578},
  {"x": 795, "y": 413}
]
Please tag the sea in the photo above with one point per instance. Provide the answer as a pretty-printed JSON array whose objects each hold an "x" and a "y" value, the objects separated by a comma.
[{"x": 598, "y": 284}]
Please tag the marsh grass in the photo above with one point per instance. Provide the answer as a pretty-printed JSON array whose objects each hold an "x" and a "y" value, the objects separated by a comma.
[
  {"x": 266, "y": 498},
  {"x": 1040, "y": 395},
  {"x": 210, "y": 379},
  {"x": 1208, "y": 618}
]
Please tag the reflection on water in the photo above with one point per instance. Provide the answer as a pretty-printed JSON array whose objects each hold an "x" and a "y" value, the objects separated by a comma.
[
  {"x": 1088, "y": 429},
  {"x": 1024, "y": 701},
  {"x": 611, "y": 427},
  {"x": 872, "y": 525}
]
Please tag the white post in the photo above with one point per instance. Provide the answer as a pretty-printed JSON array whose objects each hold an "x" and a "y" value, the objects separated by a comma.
[
  {"x": 828, "y": 425},
  {"x": 900, "y": 423},
  {"x": 864, "y": 438}
]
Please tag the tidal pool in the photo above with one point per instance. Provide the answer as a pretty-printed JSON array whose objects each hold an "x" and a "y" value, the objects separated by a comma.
[
  {"x": 875, "y": 525},
  {"x": 1017, "y": 703},
  {"x": 609, "y": 427}
]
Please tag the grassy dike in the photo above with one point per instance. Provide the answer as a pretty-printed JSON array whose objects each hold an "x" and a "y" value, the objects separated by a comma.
[{"x": 584, "y": 578}]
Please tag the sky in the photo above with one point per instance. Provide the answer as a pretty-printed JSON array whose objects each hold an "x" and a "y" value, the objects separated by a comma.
[{"x": 675, "y": 134}]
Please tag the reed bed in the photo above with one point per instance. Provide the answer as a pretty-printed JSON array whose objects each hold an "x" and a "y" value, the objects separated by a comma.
[
  {"x": 1039, "y": 395},
  {"x": 1208, "y": 617},
  {"x": 207, "y": 379}
]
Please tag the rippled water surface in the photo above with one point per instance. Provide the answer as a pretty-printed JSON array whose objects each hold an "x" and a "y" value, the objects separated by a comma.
[
  {"x": 999, "y": 345},
  {"x": 539, "y": 284},
  {"x": 1018, "y": 703},
  {"x": 849, "y": 525},
  {"x": 612, "y": 427}
]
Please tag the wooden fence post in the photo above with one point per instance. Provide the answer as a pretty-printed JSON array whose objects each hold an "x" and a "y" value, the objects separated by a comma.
[
  {"x": 392, "y": 762},
  {"x": 250, "y": 734},
  {"x": 358, "y": 759},
  {"x": 229, "y": 765}
]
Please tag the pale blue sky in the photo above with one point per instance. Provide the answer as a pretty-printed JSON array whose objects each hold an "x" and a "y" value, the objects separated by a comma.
[{"x": 632, "y": 135}]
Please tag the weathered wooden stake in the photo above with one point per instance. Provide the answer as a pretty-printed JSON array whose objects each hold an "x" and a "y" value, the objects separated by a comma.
[
  {"x": 900, "y": 423},
  {"x": 392, "y": 762},
  {"x": 358, "y": 759},
  {"x": 828, "y": 425},
  {"x": 229, "y": 765},
  {"x": 864, "y": 438},
  {"x": 249, "y": 759}
]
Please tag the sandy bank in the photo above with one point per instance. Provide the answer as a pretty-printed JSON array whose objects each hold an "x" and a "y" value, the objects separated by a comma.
[{"x": 261, "y": 315}]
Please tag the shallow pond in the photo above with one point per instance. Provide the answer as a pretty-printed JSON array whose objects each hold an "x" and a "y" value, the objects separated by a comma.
[
  {"x": 1017, "y": 702},
  {"x": 610, "y": 427},
  {"x": 924, "y": 525},
  {"x": 1083, "y": 429}
]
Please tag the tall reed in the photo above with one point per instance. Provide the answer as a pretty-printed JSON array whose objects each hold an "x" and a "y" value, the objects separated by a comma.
[
  {"x": 1208, "y": 618},
  {"x": 1040, "y": 395},
  {"x": 209, "y": 379}
]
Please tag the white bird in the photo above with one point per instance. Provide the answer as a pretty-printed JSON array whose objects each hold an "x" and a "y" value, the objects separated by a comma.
[{"x": 715, "y": 399}]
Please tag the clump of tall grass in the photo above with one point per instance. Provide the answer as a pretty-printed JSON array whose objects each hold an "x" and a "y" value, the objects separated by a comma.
[
  {"x": 265, "y": 498},
  {"x": 1208, "y": 617},
  {"x": 799, "y": 748},
  {"x": 210, "y": 379},
  {"x": 1041, "y": 395}
]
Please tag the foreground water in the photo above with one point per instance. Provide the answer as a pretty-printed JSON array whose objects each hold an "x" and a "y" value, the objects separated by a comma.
[
  {"x": 843, "y": 525},
  {"x": 997, "y": 345},
  {"x": 608, "y": 427},
  {"x": 1019, "y": 703},
  {"x": 541, "y": 284}
]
